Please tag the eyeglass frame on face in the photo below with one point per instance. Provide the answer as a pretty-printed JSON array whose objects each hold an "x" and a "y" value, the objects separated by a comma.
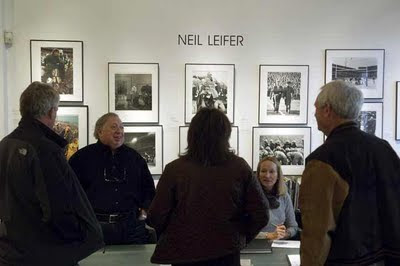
[{"x": 114, "y": 127}]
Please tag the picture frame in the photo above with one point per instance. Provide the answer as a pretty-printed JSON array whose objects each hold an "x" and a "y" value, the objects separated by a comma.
[
  {"x": 397, "y": 110},
  {"x": 283, "y": 94},
  {"x": 370, "y": 119},
  {"x": 72, "y": 124},
  {"x": 133, "y": 90},
  {"x": 209, "y": 85},
  {"x": 148, "y": 142},
  {"x": 60, "y": 64},
  {"x": 233, "y": 141},
  {"x": 364, "y": 68},
  {"x": 290, "y": 145}
]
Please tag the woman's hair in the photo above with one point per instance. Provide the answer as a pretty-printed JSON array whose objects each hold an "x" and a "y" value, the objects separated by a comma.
[
  {"x": 208, "y": 138},
  {"x": 100, "y": 123},
  {"x": 279, "y": 188}
]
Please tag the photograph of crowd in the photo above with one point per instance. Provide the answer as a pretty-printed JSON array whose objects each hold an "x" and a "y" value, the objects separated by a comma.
[
  {"x": 283, "y": 93},
  {"x": 209, "y": 89},
  {"x": 366, "y": 121},
  {"x": 67, "y": 126},
  {"x": 144, "y": 143},
  {"x": 133, "y": 92},
  {"x": 57, "y": 68},
  {"x": 360, "y": 71},
  {"x": 288, "y": 149}
]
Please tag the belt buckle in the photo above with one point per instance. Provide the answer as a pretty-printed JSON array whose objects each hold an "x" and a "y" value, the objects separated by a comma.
[{"x": 112, "y": 218}]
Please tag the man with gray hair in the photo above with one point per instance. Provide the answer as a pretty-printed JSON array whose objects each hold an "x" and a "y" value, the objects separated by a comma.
[
  {"x": 117, "y": 181},
  {"x": 45, "y": 216},
  {"x": 350, "y": 189}
]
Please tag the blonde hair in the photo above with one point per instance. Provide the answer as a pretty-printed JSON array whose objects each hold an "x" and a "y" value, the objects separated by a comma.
[{"x": 279, "y": 188}]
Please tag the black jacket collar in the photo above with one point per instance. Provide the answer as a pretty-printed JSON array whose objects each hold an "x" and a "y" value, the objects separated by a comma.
[
  {"x": 40, "y": 128},
  {"x": 344, "y": 126}
]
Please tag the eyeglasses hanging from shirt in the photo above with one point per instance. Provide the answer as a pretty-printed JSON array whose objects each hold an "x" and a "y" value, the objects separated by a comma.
[{"x": 115, "y": 175}]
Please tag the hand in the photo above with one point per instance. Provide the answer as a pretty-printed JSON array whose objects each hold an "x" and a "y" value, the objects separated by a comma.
[
  {"x": 279, "y": 233},
  {"x": 142, "y": 215}
]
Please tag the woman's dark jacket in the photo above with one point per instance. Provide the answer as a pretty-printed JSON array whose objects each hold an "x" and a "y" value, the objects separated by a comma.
[{"x": 202, "y": 213}]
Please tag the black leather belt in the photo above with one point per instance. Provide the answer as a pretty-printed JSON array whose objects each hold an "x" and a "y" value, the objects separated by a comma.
[{"x": 112, "y": 218}]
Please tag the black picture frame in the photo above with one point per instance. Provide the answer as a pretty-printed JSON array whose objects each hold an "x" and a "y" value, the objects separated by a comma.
[
  {"x": 283, "y": 82},
  {"x": 63, "y": 71},
  {"x": 210, "y": 85},
  {"x": 293, "y": 163},
  {"x": 365, "y": 68},
  {"x": 370, "y": 118},
  {"x": 133, "y": 91},
  {"x": 152, "y": 150},
  {"x": 72, "y": 123}
]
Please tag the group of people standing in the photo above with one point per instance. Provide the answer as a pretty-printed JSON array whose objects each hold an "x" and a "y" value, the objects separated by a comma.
[{"x": 208, "y": 204}]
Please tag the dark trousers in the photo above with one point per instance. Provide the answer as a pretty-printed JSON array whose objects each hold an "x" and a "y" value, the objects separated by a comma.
[{"x": 230, "y": 260}]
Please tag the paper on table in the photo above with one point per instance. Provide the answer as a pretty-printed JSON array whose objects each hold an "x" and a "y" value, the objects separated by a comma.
[
  {"x": 245, "y": 262},
  {"x": 294, "y": 260},
  {"x": 286, "y": 244}
]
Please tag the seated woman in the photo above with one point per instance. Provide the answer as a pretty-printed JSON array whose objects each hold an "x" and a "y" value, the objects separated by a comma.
[{"x": 282, "y": 223}]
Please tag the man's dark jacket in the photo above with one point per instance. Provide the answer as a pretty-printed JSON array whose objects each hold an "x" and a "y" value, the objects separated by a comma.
[
  {"x": 46, "y": 218},
  {"x": 350, "y": 201}
]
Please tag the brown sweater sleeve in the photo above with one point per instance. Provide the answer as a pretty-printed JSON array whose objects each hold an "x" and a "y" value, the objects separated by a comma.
[
  {"x": 322, "y": 194},
  {"x": 163, "y": 203}
]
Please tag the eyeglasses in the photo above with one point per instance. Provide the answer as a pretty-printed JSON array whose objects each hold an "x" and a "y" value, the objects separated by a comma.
[
  {"x": 115, "y": 127},
  {"x": 115, "y": 175}
]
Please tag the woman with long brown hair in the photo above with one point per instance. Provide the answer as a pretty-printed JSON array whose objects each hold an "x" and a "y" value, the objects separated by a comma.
[{"x": 207, "y": 204}]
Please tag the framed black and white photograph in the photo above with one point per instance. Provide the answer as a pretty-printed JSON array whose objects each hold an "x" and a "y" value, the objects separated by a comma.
[
  {"x": 148, "y": 141},
  {"x": 362, "y": 67},
  {"x": 370, "y": 118},
  {"x": 60, "y": 64},
  {"x": 134, "y": 92},
  {"x": 209, "y": 85},
  {"x": 233, "y": 141},
  {"x": 398, "y": 110},
  {"x": 290, "y": 145},
  {"x": 283, "y": 94},
  {"x": 72, "y": 124}
]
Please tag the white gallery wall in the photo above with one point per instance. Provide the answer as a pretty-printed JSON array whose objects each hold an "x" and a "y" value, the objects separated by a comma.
[
  {"x": 282, "y": 32},
  {"x": 2, "y": 74}
]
